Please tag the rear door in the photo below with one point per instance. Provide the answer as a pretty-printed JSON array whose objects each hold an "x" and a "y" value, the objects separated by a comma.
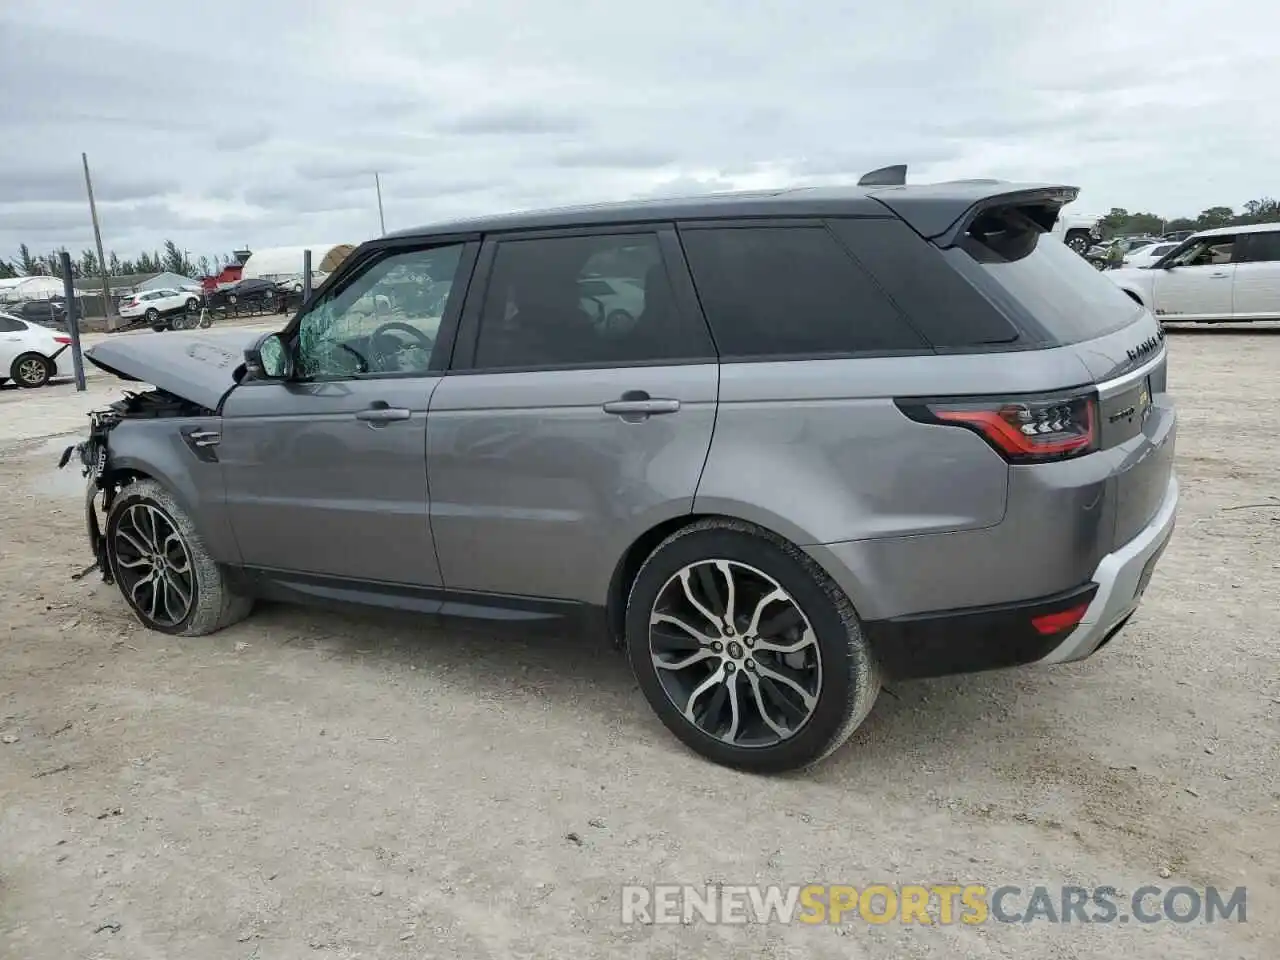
[
  {"x": 1198, "y": 284},
  {"x": 557, "y": 436},
  {"x": 327, "y": 474},
  {"x": 1256, "y": 288}
]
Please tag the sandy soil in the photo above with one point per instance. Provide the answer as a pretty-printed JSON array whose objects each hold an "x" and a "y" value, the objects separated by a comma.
[{"x": 305, "y": 785}]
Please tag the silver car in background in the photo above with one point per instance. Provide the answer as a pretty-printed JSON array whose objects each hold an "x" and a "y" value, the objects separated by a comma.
[{"x": 851, "y": 434}]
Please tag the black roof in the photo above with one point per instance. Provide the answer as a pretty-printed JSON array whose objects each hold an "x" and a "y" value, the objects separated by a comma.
[{"x": 931, "y": 209}]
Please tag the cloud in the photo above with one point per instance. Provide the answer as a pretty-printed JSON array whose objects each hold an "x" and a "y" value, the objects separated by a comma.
[{"x": 266, "y": 126}]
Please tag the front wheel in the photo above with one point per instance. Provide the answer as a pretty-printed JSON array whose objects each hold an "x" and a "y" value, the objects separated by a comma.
[
  {"x": 163, "y": 568},
  {"x": 748, "y": 652}
]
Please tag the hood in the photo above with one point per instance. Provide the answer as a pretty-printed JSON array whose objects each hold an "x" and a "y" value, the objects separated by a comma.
[{"x": 199, "y": 366}]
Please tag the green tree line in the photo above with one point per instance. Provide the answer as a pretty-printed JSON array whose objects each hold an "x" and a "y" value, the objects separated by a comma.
[
  {"x": 170, "y": 259},
  {"x": 1121, "y": 223}
]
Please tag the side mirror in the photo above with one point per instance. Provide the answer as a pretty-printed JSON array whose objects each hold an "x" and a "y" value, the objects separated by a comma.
[{"x": 268, "y": 359}]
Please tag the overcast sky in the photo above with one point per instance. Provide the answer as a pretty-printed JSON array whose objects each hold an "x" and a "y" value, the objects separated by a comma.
[{"x": 261, "y": 122}]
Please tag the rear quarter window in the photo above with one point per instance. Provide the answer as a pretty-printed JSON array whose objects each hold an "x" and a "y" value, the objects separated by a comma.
[
  {"x": 940, "y": 303},
  {"x": 1055, "y": 293},
  {"x": 776, "y": 292}
]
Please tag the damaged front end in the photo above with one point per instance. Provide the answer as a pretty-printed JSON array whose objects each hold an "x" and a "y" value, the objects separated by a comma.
[{"x": 94, "y": 457}]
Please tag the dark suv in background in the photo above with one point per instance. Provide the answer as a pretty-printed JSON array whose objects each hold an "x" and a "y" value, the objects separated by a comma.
[{"x": 842, "y": 434}]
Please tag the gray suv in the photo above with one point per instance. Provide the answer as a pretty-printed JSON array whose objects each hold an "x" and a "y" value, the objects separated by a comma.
[{"x": 841, "y": 436}]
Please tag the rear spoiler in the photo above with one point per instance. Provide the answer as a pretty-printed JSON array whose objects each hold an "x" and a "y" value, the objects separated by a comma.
[{"x": 942, "y": 212}]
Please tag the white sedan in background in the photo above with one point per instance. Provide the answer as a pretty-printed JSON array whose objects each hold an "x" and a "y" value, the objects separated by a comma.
[{"x": 29, "y": 352}]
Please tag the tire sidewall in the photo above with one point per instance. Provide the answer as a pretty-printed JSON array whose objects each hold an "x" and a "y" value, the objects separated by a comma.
[{"x": 839, "y": 669}]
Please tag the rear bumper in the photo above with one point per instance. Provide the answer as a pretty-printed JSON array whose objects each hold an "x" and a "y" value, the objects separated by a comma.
[
  {"x": 1122, "y": 578},
  {"x": 975, "y": 639}
]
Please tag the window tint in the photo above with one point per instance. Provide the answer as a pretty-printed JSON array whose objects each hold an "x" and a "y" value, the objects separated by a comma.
[
  {"x": 11, "y": 325},
  {"x": 595, "y": 301},
  {"x": 1035, "y": 276},
  {"x": 789, "y": 291},
  {"x": 938, "y": 301},
  {"x": 384, "y": 320},
  {"x": 1260, "y": 247}
]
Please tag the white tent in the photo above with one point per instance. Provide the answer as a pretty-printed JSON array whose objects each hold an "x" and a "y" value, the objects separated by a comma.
[
  {"x": 283, "y": 263},
  {"x": 30, "y": 288}
]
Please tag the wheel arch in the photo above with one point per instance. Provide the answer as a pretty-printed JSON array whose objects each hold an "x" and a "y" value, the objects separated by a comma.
[
  {"x": 642, "y": 547},
  {"x": 207, "y": 514}
]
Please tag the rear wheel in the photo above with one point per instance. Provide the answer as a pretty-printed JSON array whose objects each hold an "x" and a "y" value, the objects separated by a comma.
[
  {"x": 1079, "y": 242},
  {"x": 162, "y": 567},
  {"x": 748, "y": 652},
  {"x": 31, "y": 370}
]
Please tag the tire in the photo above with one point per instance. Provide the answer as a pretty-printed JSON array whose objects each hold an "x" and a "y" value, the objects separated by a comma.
[
  {"x": 836, "y": 678},
  {"x": 31, "y": 370},
  {"x": 151, "y": 316},
  {"x": 210, "y": 604},
  {"x": 1080, "y": 242},
  {"x": 192, "y": 305},
  {"x": 617, "y": 320}
]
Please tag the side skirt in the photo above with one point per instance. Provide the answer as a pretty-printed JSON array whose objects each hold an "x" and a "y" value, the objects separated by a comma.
[{"x": 487, "y": 612}]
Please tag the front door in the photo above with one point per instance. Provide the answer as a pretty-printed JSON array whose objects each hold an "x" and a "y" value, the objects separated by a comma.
[
  {"x": 1198, "y": 284},
  {"x": 1257, "y": 282},
  {"x": 326, "y": 473},
  {"x": 569, "y": 428}
]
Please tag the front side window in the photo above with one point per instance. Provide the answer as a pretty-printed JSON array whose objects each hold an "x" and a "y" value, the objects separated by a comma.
[
  {"x": 1206, "y": 252},
  {"x": 383, "y": 321},
  {"x": 583, "y": 301}
]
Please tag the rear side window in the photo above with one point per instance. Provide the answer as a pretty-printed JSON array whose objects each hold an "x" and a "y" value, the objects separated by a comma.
[
  {"x": 584, "y": 301},
  {"x": 1027, "y": 271},
  {"x": 790, "y": 291},
  {"x": 1259, "y": 247},
  {"x": 11, "y": 325}
]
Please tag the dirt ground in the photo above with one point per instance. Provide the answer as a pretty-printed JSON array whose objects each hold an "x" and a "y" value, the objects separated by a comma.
[{"x": 305, "y": 785}]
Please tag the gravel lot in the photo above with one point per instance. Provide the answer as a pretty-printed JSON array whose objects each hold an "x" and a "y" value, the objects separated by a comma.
[{"x": 305, "y": 785}]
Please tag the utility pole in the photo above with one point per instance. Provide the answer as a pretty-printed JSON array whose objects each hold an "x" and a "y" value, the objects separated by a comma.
[
  {"x": 382, "y": 221},
  {"x": 97, "y": 239}
]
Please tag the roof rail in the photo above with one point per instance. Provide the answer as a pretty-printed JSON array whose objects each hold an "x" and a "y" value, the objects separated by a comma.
[{"x": 895, "y": 176}]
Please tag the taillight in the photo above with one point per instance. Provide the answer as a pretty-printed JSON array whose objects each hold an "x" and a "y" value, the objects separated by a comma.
[
  {"x": 65, "y": 341},
  {"x": 1020, "y": 429}
]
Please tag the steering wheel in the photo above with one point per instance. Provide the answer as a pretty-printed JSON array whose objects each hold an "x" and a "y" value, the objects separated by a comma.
[{"x": 377, "y": 338}]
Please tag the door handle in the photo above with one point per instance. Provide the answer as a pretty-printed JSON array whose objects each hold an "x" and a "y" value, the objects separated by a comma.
[
  {"x": 379, "y": 415},
  {"x": 1219, "y": 276},
  {"x": 635, "y": 405}
]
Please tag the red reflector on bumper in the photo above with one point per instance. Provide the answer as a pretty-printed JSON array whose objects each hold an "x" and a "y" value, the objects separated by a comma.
[{"x": 1057, "y": 622}]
